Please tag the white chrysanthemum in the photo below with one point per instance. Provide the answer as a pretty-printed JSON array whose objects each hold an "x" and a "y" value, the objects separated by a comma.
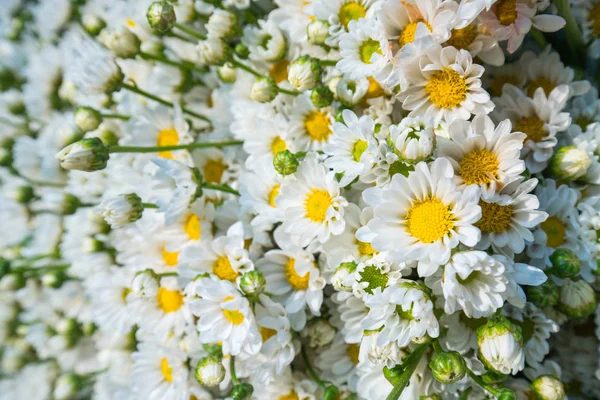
[
  {"x": 313, "y": 206},
  {"x": 269, "y": 137},
  {"x": 373, "y": 274},
  {"x": 479, "y": 42},
  {"x": 339, "y": 13},
  {"x": 310, "y": 127},
  {"x": 293, "y": 16},
  {"x": 423, "y": 216},
  {"x": 94, "y": 70},
  {"x": 587, "y": 14},
  {"x": 352, "y": 147},
  {"x": 445, "y": 84},
  {"x": 413, "y": 139},
  {"x": 338, "y": 361},
  {"x": 364, "y": 50},
  {"x": 225, "y": 317},
  {"x": 386, "y": 356},
  {"x": 265, "y": 42}
]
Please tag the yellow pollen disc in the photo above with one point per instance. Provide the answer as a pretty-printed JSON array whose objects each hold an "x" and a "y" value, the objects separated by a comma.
[
  {"x": 267, "y": 333},
  {"x": 594, "y": 19},
  {"x": 506, "y": 11},
  {"x": 352, "y": 351},
  {"x": 541, "y": 82},
  {"x": 375, "y": 89},
  {"x": 171, "y": 258},
  {"x": 462, "y": 38},
  {"x": 290, "y": 396},
  {"x": 213, "y": 171},
  {"x": 533, "y": 127},
  {"x": 223, "y": 270},
  {"x": 130, "y": 23},
  {"x": 273, "y": 195},
  {"x": 316, "y": 204},
  {"x": 367, "y": 49},
  {"x": 279, "y": 71},
  {"x": 192, "y": 227},
  {"x": 446, "y": 88},
  {"x": 167, "y": 137},
  {"x": 494, "y": 217},
  {"x": 167, "y": 371},
  {"x": 499, "y": 81},
  {"x": 429, "y": 220},
  {"x": 556, "y": 231},
  {"x": 408, "y": 33},
  {"x": 278, "y": 145},
  {"x": 296, "y": 281},
  {"x": 359, "y": 148},
  {"x": 365, "y": 249},
  {"x": 317, "y": 125},
  {"x": 478, "y": 167},
  {"x": 352, "y": 11},
  {"x": 234, "y": 316},
  {"x": 169, "y": 300}
]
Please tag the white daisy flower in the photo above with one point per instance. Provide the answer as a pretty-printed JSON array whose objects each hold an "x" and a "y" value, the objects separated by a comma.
[
  {"x": 425, "y": 214},
  {"x": 338, "y": 361},
  {"x": 387, "y": 356},
  {"x": 310, "y": 127},
  {"x": 587, "y": 14},
  {"x": 269, "y": 137},
  {"x": 339, "y": 13},
  {"x": 293, "y": 16},
  {"x": 94, "y": 70},
  {"x": 445, "y": 84},
  {"x": 364, "y": 50},
  {"x": 351, "y": 311},
  {"x": 350, "y": 92},
  {"x": 477, "y": 41},
  {"x": 469, "y": 10},
  {"x": 265, "y": 42}
]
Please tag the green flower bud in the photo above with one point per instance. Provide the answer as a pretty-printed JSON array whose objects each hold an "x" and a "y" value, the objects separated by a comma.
[
  {"x": 93, "y": 24},
  {"x": 8, "y": 79},
  {"x": 54, "y": 279},
  {"x": 321, "y": 96},
  {"x": 241, "y": 50},
  {"x": 12, "y": 281},
  {"x": 253, "y": 283},
  {"x": 23, "y": 194},
  {"x": 544, "y": 295},
  {"x": 331, "y": 393},
  {"x": 87, "y": 119},
  {"x": 242, "y": 391},
  {"x": 577, "y": 299},
  {"x": 67, "y": 386},
  {"x": 393, "y": 374},
  {"x": 570, "y": 163},
  {"x": 565, "y": 263},
  {"x": 447, "y": 367},
  {"x": 264, "y": 90},
  {"x": 70, "y": 330},
  {"x": 340, "y": 275},
  {"x": 548, "y": 387},
  {"x": 214, "y": 350},
  {"x": 88, "y": 329},
  {"x": 507, "y": 394},
  {"x": 4, "y": 267},
  {"x": 6, "y": 151},
  {"x": 209, "y": 371},
  {"x": 85, "y": 155},
  {"x": 70, "y": 204},
  {"x": 121, "y": 210},
  {"x": 161, "y": 16},
  {"x": 285, "y": 162}
]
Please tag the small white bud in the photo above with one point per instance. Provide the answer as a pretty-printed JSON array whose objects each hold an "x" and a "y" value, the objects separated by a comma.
[
  {"x": 67, "y": 386},
  {"x": 144, "y": 283},
  {"x": 227, "y": 74},
  {"x": 501, "y": 345},
  {"x": 340, "y": 276},
  {"x": 85, "y": 155},
  {"x": 222, "y": 24},
  {"x": 304, "y": 73},
  {"x": 548, "y": 387},
  {"x": 213, "y": 51},
  {"x": 318, "y": 31},
  {"x": 210, "y": 371},
  {"x": 319, "y": 333},
  {"x": 121, "y": 210},
  {"x": 413, "y": 140},
  {"x": 351, "y": 92},
  {"x": 122, "y": 42},
  {"x": 87, "y": 119},
  {"x": 570, "y": 163},
  {"x": 93, "y": 24},
  {"x": 264, "y": 90},
  {"x": 577, "y": 299}
]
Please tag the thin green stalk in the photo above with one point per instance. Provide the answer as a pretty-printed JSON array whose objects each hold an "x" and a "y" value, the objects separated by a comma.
[
  {"x": 234, "y": 377},
  {"x": 539, "y": 38},
  {"x": 149, "y": 205},
  {"x": 116, "y": 116},
  {"x": 181, "y": 37},
  {"x": 495, "y": 392},
  {"x": 189, "y": 31},
  {"x": 259, "y": 75},
  {"x": 310, "y": 369},
  {"x": 572, "y": 31},
  {"x": 172, "y": 63},
  {"x": 222, "y": 188},
  {"x": 156, "y": 149},
  {"x": 408, "y": 366},
  {"x": 166, "y": 274},
  {"x": 328, "y": 63}
]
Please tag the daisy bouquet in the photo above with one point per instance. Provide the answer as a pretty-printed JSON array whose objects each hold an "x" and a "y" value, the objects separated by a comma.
[{"x": 299, "y": 200}]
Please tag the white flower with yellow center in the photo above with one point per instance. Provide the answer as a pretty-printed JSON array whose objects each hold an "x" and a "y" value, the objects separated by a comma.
[
  {"x": 445, "y": 84},
  {"x": 270, "y": 136},
  {"x": 422, "y": 217},
  {"x": 483, "y": 154},
  {"x": 508, "y": 217},
  {"x": 403, "y": 312},
  {"x": 364, "y": 50},
  {"x": 312, "y": 203},
  {"x": 294, "y": 16},
  {"x": 195, "y": 225},
  {"x": 265, "y": 42},
  {"x": 350, "y": 311},
  {"x": 540, "y": 118},
  {"x": 224, "y": 257},
  {"x": 93, "y": 70},
  {"x": 338, "y": 361},
  {"x": 339, "y": 13},
  {"x": 224, "y": 316},
  {"x": 353, "y": 147},
  {"x": 159, "y": 372},
  {"x": 587, "y": 14},
  {"x": 217, "y": 166},
  {"x": 311, "y": 128}
]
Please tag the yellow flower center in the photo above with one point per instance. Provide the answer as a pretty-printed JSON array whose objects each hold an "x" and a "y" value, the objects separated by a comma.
[
  {"x": 316, "y": 204},
  {"x": 365, "y": 249},
  {"x": 296, "y": 281},
  {"x": 556, "y": 231},
  {"x": 359, "y": 148},
  {"x": 290, "y": 396},
  {"x": 446, "y": 88},
  {"x": 167, "y": 371},
  {"x": 429, "y": 220},
  {"x": 267, "y": 333},
  {"x": 273, "y": 195},
  {"x": 494, "y": 217},
  {"x": 167, "y": 137},
  {"x": 533, "y": 127},
  {"x": 408, "y": 33},
  {"x": 541, "y": 82},
  {"x": 499, "y": 81},
  {"x": 234, "y": 316},
  {"x": 353, "y": 351},
  {"x": 367, "y": 49},
  {"x": 375, "y": 89},
  {"x": 279, "y": 71},
  {"x": 223, "y": 270},
  {"x": 171, "y": 258},
  {"x": 278, "y": 145},
  {"x": 462, "y": 38},
  {"x": 478, "y": 167},
  {"x": 352, "y": 11},
  {"x": 192, "y": 227},
  {"x": 594, "y": 18},
  {"x": 169, "y": 300},
  {"x": 213, "y": 171},
  {"x": 506, "y": 11},
  {"x": 317, "y": 125}
]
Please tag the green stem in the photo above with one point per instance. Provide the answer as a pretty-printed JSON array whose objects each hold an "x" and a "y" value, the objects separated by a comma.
[
  {"x": 41, "y": 269},
  {"x": 259, "y": 75},
  {"x": 189, "y": 31},
  {"x": 180, "y": 37},
  {"x": 465, "y": 394},
  {"x": 539, "y": 38},
  {"x": 172, "y": 63},
  {"x": 408, "y": 366},
  {"x": 495, "y": 392},
  {"x": 222, "y": 188},
  {"x": 149, "y": 205},
  {"x": 572, "y": 31},
  {"x": 156, "y": 149},
  {"x": 166, "y": 274},
  {"x": 234, "y": 377},
  {"x": 328, "y": 63},
  {"x": 437, "y": 347},
  {"x": 310, "y": 369},
  {"x": 141, "y": 92},
  {"x": 290, "y": 92},
  {"x": 116, "y": 116}
]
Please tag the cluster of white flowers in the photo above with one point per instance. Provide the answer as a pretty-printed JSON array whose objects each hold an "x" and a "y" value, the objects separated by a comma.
[{"x": 299, "y": 200}]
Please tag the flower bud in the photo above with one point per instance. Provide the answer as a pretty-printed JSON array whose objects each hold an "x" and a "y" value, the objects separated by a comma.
[
  {"x": 93, "y": 24},
  {"x": 319, "y": 332},
  {"x": 8, "y": 78},
  {"x": 253, "y": 283},
  {"x": 54, "y": 279},
  {"x": 447, "y": 367},
  {"x": 210, "y": 371},
  {"x": 92, "y": 245},
  {"x": 507, "y": 394},
  {"x": 501, "y": 345},
  {"x": 12, "y": 281},
  {"x": 304, "y": 73},
  {"x": 222, "y": 24},
  {"x": 241, "y": 50},
  {"x": 214, "y": 350},
  {"x": 85, "y": 155},
  {"x": 144, "y": 283},
  {"x": 22, "y": 194},
  {"x": 548, "y": 387},
  {"x": 285, "y": 163},
  {"x": 161, "y": 16},
  {"x": 242, "y": 391},
  {"x": 70, "y": 330},
  {"x": 317, "y": 31},
  {"x": 213, "y": 51},
  {"x": 565, "y": 263},
  {"x": 413, "y": 140},
  {"x": 87, "y": 119},
  {"x": 121, "y": 210},
  {"x": 70, "y": 204},
  {"x": 338, "y": 280},
  {"x": 577, "y": 299},
  {"x": 350, "y": 92},
  {"x": 122, "y": 42},
  {"x": 227, "y": 74},
  {"x": 321, "y": 96},
  {"x": 67, "y": 386},
  {"x": 16, "y": 28},
  {"x": 570, "y": 163},
  {"x": 544, "y": 295},
  {"x": 264, "y": 90}
]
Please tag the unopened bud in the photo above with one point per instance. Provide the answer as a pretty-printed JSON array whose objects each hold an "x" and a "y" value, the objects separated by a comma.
[
  {"x": 577, "y": 299},
  {"x": 253, "y": 283},
  {"x": 544, "y": 295},
  {"x": 161, "y": 16},
  {"x": 121, "y": 210},
  {"x": 93, "y": 24},
  {"x": 304, "y": 73},
  {"x": 87, "y": 119},
  {"x": 209, "y": 371},
  {"x": 242, "y": 391},
  {"x": 317, "y": 31},
  {"x": 447, "y": 367},
  {"x": 570, "y": 163},
  {"x": 264, "y": 90},
  {"x": 85, "y": 155},
  {"x": 122, "y": 42},
  {"x": 227, "y": 74},
  {"x": 321, "y": 96},
  {"x": 548, "y": 387},
  {"x": 285, "y": 163},
  {"x": 565, "y": 263}
]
